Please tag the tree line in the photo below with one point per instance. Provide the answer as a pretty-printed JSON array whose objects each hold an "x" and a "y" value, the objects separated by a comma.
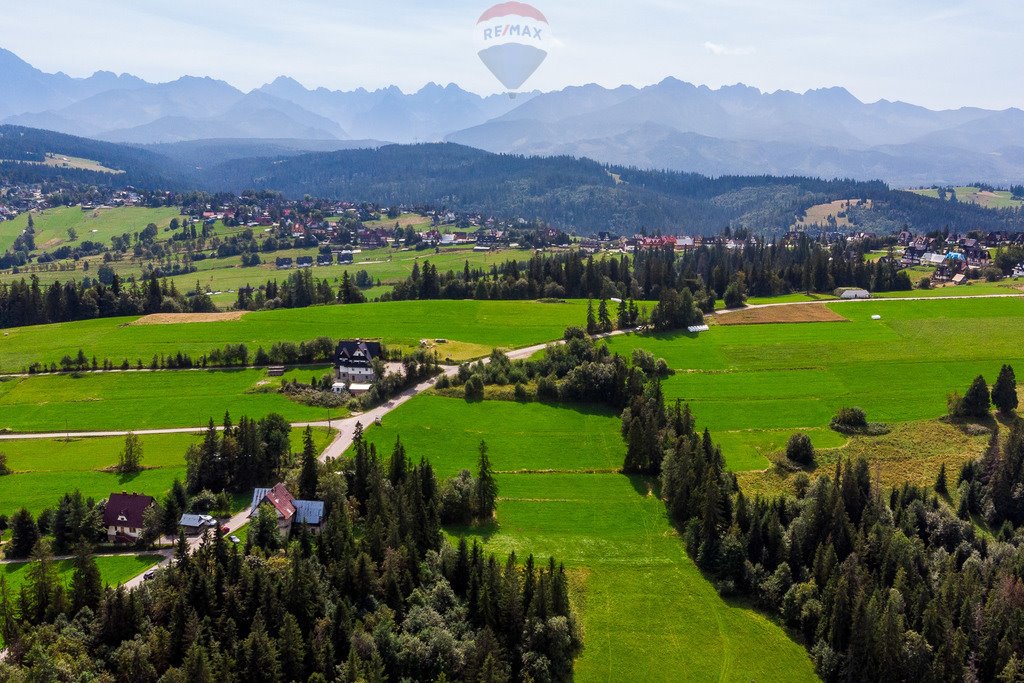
[{"x": 878, "y": 585}]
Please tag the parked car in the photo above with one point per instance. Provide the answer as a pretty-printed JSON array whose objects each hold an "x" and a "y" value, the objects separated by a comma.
[
  {"x": 149, "y": 575},
  {"x": 224, "y": 529},
  {"x": 234, "y": 539}
]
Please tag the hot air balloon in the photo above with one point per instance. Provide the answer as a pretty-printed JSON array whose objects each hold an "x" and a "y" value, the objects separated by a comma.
[{"x": 511, "y": 38}]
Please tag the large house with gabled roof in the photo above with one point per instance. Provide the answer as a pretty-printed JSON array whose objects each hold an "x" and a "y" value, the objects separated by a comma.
[{"x": 290, "y": 511}]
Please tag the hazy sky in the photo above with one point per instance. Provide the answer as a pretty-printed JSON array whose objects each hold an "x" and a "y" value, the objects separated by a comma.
[{"x": 939, "y": 53}]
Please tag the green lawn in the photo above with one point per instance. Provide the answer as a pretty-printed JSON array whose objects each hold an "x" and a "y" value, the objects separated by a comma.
[
  {"x": 45, "y": 469},
  {"x": 646, "y": 611},
  {"x": 752, "y": 384},
  {"x": 144, "y": 400},
  {"x": 477, "y": 326}
]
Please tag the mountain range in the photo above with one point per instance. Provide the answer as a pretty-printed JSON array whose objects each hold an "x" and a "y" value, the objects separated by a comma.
[{"x": 671, "y": 125}]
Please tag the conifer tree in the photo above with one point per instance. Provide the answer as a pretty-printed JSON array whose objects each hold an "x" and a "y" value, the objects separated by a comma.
[
  {"x": 486, "y": 486},
  {"x": 591, "y": 320},
  {"x": 977, "y": 402},
  {"x": 86, "y": 582},
  {"x": 1004, "y": 391},
  {"x": 309, "y": 476},
  {"x": 941, "y": 485}
]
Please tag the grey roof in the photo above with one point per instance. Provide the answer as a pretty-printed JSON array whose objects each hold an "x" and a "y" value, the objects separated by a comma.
[
  {"x": 257, "y": 496},
  {"x": 196, "y": 520},
  {"x": 309, "y": 512}
]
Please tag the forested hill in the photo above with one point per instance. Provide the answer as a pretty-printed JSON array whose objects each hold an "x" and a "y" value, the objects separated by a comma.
[
  {"x": 573, "y": 194},
  {"x": 139, "y": 167},
  {"x": 584, "y": 195}
]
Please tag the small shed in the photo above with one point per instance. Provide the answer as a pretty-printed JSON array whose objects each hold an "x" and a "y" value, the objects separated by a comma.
[
  {"x": 358, "y": 389},
  {"x": 193, "y": 525},
  {"x": 275, "y": 371}
]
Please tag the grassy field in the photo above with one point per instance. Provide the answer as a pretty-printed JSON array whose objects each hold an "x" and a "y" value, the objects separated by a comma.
[
  {"x": 473, "y": 328},
  {"x": 63, "y": 161},
  {"x": 98, "y": 225},
  {"x": 912, "y": 453},
  {"x": 646, "y": 611},
  {"x": 145, "y": 400},
  {"x": 752, "y": 384},
  {"x": 386, "y": 265},
  {"x": 974, "y": 288},
  {"x": 999, "y": 199},
  {"x": 45, "y": 469},
  {"x": 821, "y": 213}
]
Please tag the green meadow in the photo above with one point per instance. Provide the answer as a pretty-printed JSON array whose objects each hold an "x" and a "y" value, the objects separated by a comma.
[
  {"x": 45, "y": 469},
  {"x": 646, "y": 611},
  {"x": 752, "y": 385},
  {"x": 473, "y": 328},
  {"x": 146, "y": 400},
  {"x": 97, "y": 225},
  {"x": 386, "y": 265}
]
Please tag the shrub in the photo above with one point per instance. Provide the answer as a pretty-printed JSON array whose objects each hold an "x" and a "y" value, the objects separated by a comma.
[
  {"x": 800, "y": 449},
  {"x": 925, "y": 283},
  {"x": 851, "y": 419},
  {"x": 475, "y": 389},
  {"x": 521, "y": 394},
  {"x": 4, "y": 469}
]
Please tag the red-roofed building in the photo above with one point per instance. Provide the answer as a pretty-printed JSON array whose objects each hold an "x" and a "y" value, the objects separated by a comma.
[
  {"x": 123, "y": 516},
  {"x": 289, "y": 510}
]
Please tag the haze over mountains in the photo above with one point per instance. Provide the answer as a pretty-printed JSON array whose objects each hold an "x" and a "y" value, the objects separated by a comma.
[{"x": 670, "y": 125}]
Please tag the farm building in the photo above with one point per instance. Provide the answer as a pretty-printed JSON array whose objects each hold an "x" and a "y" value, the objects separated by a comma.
[
  {"x": 325, "y": 259},
  {"x": 853, "y": 294},
  {"x": 354, "y": 361},
  {"x": 123, "y": 516},
  {"x": 289, "y": 510},
  {"x": 304, "y": 262},
  {"x": 194, "y": 525},
  {"x": 284, "y": 263},
  {"x": 1019, "y": 271}
]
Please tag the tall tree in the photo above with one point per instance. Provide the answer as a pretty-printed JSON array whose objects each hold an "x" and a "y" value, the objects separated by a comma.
[
  {"x": 309, "y": 476},
  {"x": 486, "y": 486},
  {"x": 1004, "y": 391},
  {"x": 130, "y": 460},
  {"x": 24, "y": 534}
]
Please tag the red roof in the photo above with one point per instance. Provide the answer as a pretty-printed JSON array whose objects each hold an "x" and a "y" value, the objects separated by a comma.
[
  {"x": 125, "y": 509},
  {"x": 281, "y": 500}
]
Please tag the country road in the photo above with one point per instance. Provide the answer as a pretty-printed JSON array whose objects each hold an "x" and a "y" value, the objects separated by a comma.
[
  {"x": 873, "y": 300},
  {"x": 345, "y": 427}
]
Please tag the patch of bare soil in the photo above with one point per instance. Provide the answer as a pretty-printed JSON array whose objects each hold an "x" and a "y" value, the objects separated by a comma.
[
  {"x": 176, "y": 318},
  {"x": 804, "y": 313}
]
